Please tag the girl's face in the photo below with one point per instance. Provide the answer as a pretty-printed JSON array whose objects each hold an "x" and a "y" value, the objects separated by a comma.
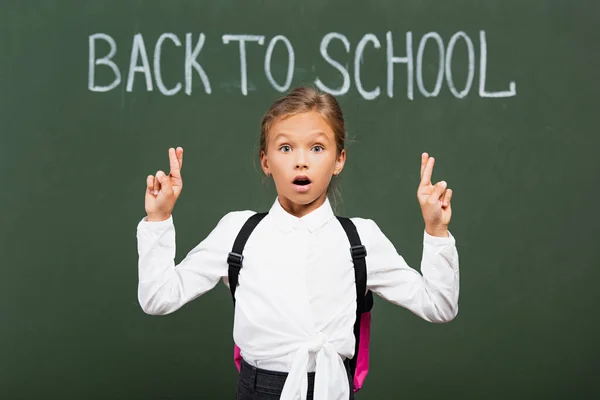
[{"x": 301, "y": 155}]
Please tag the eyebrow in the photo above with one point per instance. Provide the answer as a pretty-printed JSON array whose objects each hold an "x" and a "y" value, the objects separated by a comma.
[
  {"x": 315, "y": 135},
  {"x": 319, "y": 135},
  {"x": 279, "y": 135}
]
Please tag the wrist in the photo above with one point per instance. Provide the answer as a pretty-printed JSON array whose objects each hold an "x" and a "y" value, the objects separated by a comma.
[
  {"x": 438, "y": 230},
  {"x": 157, "y": 218}
]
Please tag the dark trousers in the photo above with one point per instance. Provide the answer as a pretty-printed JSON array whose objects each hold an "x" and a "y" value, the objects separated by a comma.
[{"x": 261, "y": 384}]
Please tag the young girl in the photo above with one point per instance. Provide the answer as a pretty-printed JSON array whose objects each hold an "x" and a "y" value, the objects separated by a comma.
[{"x": 296, "y": 300}]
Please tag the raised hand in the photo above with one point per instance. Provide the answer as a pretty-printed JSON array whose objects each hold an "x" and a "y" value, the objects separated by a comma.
[
  {"x": 162, "y": 191},
  {"x": 434, "y": 199}
]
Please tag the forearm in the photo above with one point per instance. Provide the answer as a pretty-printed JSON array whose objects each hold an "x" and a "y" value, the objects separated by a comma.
[
  {"x": 165, "y": 287},
  {"x": 439, "y": 267},
  {"x": 156, "y": 254},
  {"x": 432, "y": 295}
]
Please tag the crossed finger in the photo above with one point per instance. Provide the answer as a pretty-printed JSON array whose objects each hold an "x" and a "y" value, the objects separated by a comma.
[
  {"x": 175, "y": 161},
  {"x": 426, "y": 168}
]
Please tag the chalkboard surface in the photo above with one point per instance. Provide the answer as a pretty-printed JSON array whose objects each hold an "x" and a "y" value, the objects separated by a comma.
[{"x": 504, "y": 94}]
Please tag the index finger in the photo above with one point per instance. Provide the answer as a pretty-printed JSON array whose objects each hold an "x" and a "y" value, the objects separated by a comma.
[
  {"x": 426, "y": 178},
  {"x": 174, "y": 163},
  {"x": 424, "y": 158}
]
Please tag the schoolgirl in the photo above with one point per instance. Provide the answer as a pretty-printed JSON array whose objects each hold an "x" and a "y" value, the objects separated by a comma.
[{"x": 295, "y": 295}]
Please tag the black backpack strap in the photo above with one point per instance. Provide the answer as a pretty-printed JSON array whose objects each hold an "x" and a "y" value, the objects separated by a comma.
[
  {"x": 236, "y": 257},
  {"x": 364, "y": 301}
]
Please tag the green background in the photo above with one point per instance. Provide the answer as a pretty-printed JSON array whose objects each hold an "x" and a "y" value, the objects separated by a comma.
[{"x": 524, "y": 171}]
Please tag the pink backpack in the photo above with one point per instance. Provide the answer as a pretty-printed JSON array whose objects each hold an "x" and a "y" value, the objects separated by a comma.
[{"x": 359, "y": 364}]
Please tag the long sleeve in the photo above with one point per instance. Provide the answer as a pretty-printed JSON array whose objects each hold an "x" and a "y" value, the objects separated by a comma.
[
  {"x": 433, "y": 295},
  {"x": 165, "y": 287}
]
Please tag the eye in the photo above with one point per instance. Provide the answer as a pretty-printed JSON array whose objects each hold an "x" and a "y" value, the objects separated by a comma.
[
  {"x": 318, "y": 148},
  {"x": 285, "y": 148}
]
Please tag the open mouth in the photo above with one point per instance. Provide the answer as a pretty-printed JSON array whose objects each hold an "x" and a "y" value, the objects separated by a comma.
[{"x": 302, "y": 183}]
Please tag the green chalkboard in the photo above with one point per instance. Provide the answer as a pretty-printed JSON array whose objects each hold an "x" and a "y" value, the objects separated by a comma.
[{"x": 503, "y": 93}]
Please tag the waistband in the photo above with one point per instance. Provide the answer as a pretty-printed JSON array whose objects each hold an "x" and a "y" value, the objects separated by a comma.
[{"x": 272, "y": 381}]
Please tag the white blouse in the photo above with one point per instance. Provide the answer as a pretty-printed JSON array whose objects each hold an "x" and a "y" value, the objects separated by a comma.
[{"x": 296, "y": 299}]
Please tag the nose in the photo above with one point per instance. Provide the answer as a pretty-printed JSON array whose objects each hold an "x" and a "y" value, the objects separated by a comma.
[{"x": 301, "y": 162}]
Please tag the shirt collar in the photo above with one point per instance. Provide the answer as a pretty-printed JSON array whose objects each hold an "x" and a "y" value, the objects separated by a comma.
[{"x": 313, "y": 220}]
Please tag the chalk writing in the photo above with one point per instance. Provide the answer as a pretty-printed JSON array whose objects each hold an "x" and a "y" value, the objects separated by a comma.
[{"x": 396, "y": 58}]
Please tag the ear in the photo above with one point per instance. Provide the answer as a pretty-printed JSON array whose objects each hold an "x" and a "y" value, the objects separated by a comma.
[
  {"x": 264, "y": 163},
  {"x": 339, "y": 163}
]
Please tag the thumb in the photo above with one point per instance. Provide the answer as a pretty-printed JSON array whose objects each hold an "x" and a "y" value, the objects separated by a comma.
[{"x": 438, "y": 191}]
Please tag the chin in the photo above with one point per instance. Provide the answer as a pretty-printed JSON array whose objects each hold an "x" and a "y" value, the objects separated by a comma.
[{"x": 302, "y": 199}]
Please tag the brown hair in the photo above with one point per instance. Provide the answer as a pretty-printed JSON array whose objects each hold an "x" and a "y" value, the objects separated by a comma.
[{"x": 305, "y": 99}]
